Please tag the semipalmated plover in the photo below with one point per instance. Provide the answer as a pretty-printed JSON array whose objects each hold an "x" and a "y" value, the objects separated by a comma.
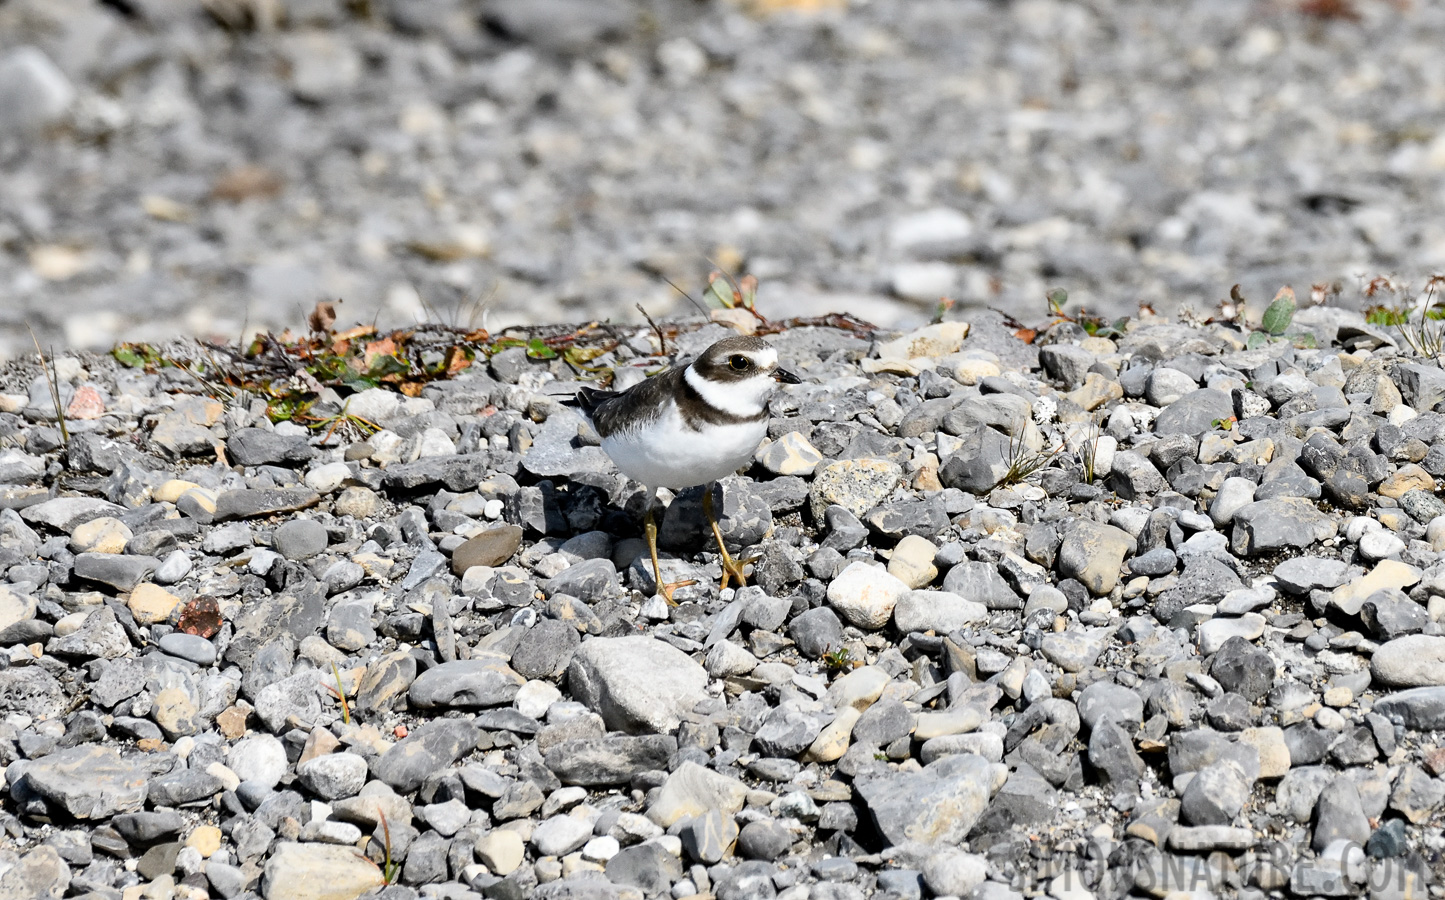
[{"x": 689, "y": 426}]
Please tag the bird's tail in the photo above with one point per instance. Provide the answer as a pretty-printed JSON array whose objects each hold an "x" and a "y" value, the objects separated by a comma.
[{"x": 587, "y": 400}]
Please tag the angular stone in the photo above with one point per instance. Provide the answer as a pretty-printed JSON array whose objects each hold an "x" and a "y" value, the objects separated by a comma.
[
  {"x": 1093, "y": 553},
  {"x": 103, "y": 535},
  {"x": 1194, "y": 413},
  {"x": 1265, "y": 526},
  {"x": 1073, "y": 651},
  {"x": 1244, "y": 669},
  {"x": 937, "y": 804},
  {"x": 1389, "y": 574},
  {"x": 709, "y": 837},
  {"x": 692, "y": 790},
  {"x": 260, "y": 758},
  {"x": 40, "y": 874},
  {"x": 291, "y": 702},
  {"x": 546, "y": 649},
  {"x": 857, "y": 485},
  {"x": 791, "y": 727},
  {"x": 501, "y": 850},
  {"x": 648, "y": 867},
  {"x": 791, "y": 454},
  {"x": 115, "y": 570},
  {"x": 1419, "y": 709},
  {"x": 332, "y": 776},
  {"x": 100, "y": 635},
  {"x": 429, "y": 749},
  {"x": 254, "y": 503},
  {"x": 590, "y": 581},
  {"x": 938, "y": 611},
  {"x": 150, "y": 604},
  {"x": 613, "y": 759},
  {"x": 981, "y": 581},
  {"x": 68, "y": 513},
  {"x": 91, "y": 782},
  {"x": 637, "y": 684},
  {"x": 1215, "y": 794},
  {"x": 318, "y": 872},
  {"x": 15, "y": 607},
  {"x": 981, "y": 463}
]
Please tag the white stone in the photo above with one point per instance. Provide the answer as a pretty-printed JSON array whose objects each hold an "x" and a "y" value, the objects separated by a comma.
[
  {"x": 434, "y": 442},
  {"x": 560, "y": 835},
  {"x": 1377, "y": 545},
  {"x": 373, "y": 404},
  {"x": 1233, "y": 495},
  {"x": 726, "y": 658},
  {"x": 865, "y": 595},
  {"x": 501, "y": 850},
  {"x": 938, "y": 611},
  {"x": 261, "y": 758},
  {"x": 334, "y": 775},
  {"x": 1212, "y": 634},
  {"x": 535, "y": 697},
  {"x": 327, "y": 478},
  {"x": 952, "y": 872},
  {"x": 601, "y": 849}
]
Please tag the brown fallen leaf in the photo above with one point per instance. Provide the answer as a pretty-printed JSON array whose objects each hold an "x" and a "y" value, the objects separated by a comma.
[
  {"x": 322, "y": 317},
  {"x": 201, "y": 617}
]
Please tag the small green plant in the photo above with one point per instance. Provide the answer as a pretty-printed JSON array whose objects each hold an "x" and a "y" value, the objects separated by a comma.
[
  {"x": 1425, "y": 333},
  {"x": 1089, "y": 454},
  {"x": 340, "y": 692},
  {"x": 1094, "y": 326},
  {"x": 346, "y": 422},
  {"x": 840, "y": 660},
  {"x": 140, "y": 356},
  {"x": 52, "y": 381},
  {"x": 389, "y": 867},
  {"x": 944, "y": 305},
  {"x": 1224, "y": 424},
  {"x": 1274, "y": 324},
  {"x": 725, "y": 292},
  {"x": 1023, "y": 462}
]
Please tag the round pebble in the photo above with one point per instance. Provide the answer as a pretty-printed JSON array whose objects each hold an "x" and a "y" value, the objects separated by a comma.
[{"x": 189, "y": 646}]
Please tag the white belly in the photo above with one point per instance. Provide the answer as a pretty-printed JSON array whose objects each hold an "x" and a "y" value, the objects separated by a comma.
[{"x": 667, "y": 454}]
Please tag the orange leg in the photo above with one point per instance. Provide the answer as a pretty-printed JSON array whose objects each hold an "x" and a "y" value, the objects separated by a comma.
[
  {"x": 649, "y": 525},
  {"x": 731, "y": 568}
]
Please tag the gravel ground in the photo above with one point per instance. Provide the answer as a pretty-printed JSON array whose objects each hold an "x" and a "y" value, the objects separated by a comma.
[
  {"x": 1149, "y": 615},
  {"x": 166, "y": 169}
]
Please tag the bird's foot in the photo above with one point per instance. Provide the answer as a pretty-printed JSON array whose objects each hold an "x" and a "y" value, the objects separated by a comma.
[
  {"x": 666, "y": 590},
  {"x": 735, "y": 568}
]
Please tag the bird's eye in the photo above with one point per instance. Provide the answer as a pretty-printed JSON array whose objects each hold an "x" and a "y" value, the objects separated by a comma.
[{"x": 740, "y": 363}]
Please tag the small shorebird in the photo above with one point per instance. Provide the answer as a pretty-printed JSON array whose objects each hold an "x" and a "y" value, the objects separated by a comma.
[{"x": 690, "y": 426}]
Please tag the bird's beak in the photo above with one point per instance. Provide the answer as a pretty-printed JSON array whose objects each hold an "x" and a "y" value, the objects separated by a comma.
[{"x": 786, "y": 377}]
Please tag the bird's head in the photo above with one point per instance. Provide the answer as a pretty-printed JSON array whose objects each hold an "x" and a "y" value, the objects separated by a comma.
[{"x": 738, "y": 374}]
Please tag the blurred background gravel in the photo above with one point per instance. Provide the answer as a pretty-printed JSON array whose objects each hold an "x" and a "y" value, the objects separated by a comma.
[{"x": 174, "y": 166}]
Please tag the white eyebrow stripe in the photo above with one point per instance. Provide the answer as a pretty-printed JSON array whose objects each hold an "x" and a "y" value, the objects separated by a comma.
[{"x": 766, "y": 358}]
